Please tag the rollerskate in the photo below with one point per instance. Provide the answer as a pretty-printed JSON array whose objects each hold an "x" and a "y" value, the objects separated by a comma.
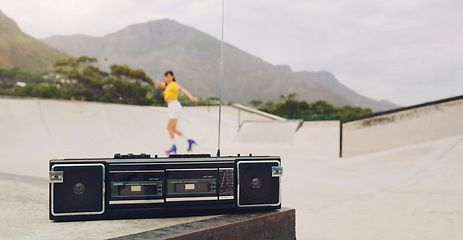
[
  {"x": 173, "y": 149},
  {"x": 190, "y": 145}
]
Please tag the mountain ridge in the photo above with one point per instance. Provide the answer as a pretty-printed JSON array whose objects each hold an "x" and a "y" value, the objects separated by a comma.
[
  {"x": 194, "y": 56},
  {"x": 329, "y": 80},
  {"x": 159, "y": 45}
]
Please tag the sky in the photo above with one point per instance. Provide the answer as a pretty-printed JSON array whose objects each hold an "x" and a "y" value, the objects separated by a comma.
[{"x": 408, "y": 52}]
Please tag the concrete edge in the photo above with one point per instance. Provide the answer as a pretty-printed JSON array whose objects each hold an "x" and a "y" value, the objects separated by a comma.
[
  {"x": 255, "y": 111},
  {"x": 275, "y": 224}
]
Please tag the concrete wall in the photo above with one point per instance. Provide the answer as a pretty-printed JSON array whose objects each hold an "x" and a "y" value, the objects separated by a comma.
[
  {"x": 313, "y": 139},
  {"x": 273, "y": 132},
  {"x": 410, "y": 126}
]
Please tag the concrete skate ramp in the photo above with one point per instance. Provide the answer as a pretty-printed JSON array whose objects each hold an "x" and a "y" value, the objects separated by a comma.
[
  {"x": 318, "y": 139},
  {"x": 37, "y": 130},
  {"x": 402, "y": 127}
]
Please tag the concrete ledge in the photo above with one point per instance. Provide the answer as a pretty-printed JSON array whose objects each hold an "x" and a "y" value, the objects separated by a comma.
[
  {"x": 276, "y": 224},
  {"x": 261, "y": 113}
]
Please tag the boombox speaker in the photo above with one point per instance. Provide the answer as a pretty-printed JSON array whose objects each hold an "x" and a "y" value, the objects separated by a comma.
[
  {"x": 136, "y": 186},
  {"x": 257, "y": 184},
  {"x": 81, "y": 189}
]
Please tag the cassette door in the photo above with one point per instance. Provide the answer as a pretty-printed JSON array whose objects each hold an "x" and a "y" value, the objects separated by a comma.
[{"x": 77, "y": 189}]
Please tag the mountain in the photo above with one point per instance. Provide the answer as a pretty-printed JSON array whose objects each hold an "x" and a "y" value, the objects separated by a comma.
[
  {"x": 194, "y": 56},
  {"x": 19, "y": 50},
  {"x": 329, "y": 80}
]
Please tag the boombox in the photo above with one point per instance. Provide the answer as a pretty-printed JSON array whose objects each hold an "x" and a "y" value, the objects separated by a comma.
[{"x": 137, "y": 186}]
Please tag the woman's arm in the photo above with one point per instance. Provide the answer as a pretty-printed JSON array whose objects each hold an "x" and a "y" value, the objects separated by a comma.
[
  {"x": 188, "y": 94},
  {"x": 160, "y": 84}
]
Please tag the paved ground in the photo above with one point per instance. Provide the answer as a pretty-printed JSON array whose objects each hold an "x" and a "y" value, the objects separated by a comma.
[{"x": 409, "y": 192}]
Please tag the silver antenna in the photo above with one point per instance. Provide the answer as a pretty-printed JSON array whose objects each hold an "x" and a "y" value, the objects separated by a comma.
[{"x": 221, "y": 80}]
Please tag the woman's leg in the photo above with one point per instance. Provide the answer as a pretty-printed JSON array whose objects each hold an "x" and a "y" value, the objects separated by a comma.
[{"x": 172, "y": 128}]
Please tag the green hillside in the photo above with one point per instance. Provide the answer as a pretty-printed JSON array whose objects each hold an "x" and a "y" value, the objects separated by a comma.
[{"x": 19, "y": 50}]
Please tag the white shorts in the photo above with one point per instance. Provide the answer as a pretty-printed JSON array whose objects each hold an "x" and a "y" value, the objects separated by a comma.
[{"x": 175, "y": 109}]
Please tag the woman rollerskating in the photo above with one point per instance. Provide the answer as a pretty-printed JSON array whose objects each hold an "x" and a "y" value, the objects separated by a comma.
[{"x": 170, "y": 92}]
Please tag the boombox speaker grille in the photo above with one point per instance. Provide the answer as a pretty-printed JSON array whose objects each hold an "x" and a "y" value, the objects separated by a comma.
[
  {"x": 81, "y": 192},
  {"x": 257, "y": 186}
]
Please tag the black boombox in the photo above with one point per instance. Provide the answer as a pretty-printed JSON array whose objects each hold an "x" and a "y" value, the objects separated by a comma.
[{"x": 136, "y": 186}]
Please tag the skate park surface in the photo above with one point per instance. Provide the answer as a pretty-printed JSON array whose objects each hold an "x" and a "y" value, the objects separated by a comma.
[{"x": 411, "y": 191}]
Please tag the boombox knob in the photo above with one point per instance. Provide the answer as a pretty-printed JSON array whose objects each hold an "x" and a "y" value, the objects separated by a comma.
[
  {"x": 117, "y": 155},
  {"x": 250, "y": 154}
]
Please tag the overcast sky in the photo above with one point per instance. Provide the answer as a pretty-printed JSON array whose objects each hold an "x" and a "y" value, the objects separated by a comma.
[{"x": 405, "y": 51}]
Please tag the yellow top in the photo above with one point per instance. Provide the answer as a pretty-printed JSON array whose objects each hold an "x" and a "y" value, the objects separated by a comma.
[{"x": 171, "y": 91}]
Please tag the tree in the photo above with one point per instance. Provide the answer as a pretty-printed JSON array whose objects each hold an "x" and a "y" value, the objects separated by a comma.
[
  {"x": 289, "y": 107},
  {"x": 124, "y": 72},
  {"x": 9, "y": 78},
  {"x": 126, "y": 92},
  {"x": 80, "y": 78},
  {"x": 291, "y": 96},
  {"x": 322, "y": 108},
  {"x": 86, "y": 80},
  {"x": 255, "y": 103},
  {"x": 121, "y": 85},
  {"x": 156, "y": 95},
  {"x": 269, "y": 107}
]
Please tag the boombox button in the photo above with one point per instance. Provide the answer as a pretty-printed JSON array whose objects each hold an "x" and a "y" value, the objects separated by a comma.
[{"x": 277, "y": 171}]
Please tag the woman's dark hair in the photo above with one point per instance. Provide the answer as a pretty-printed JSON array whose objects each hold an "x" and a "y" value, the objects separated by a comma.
[{"x": 171, "y": 73}]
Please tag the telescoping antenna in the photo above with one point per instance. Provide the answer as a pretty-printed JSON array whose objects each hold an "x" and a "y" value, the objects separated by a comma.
[{"x": 220, "y": 82}]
